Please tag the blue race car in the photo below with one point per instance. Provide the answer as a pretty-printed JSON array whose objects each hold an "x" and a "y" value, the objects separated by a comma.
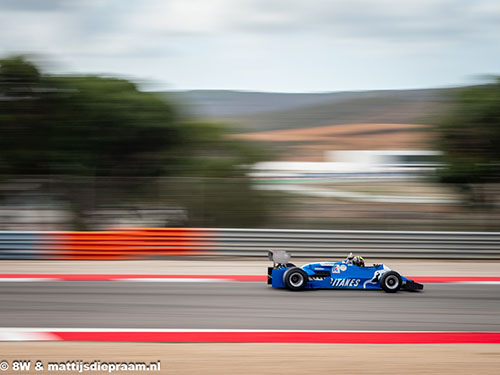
[{"x": 350, "y": 273}]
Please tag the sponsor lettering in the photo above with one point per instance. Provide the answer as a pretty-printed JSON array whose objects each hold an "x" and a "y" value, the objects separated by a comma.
[{"x": 346, "y": 283}]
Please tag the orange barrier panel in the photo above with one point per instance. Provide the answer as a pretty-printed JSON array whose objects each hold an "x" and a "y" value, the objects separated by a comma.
[{"x": 136, "y": 243}]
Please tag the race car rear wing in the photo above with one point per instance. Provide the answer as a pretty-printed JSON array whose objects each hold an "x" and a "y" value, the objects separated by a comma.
[{"x": 279, "y": 257}]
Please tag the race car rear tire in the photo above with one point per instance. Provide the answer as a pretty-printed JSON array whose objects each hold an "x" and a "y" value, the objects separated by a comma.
[
  {"x": 295, "y": 279},
  {"x": 391, "y": 282}
]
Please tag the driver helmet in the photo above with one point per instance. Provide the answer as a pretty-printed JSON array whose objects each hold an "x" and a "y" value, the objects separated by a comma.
[{"x": 358, "y": 261}]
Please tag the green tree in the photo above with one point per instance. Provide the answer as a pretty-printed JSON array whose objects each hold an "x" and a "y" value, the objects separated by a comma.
[
  {"x": 77, "y": 127},
  {"x": 469, "y": 136},
  {"x": 81, "y": 125}
]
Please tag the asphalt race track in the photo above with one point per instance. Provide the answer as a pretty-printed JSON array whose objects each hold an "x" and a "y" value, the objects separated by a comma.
[{"x": 245, "y": 305}]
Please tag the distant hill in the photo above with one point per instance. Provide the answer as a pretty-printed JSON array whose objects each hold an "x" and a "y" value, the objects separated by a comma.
[
  {"x": 304, "y": 126},
  {"x": 261, "y": 111},
  {"x": 217, "y": 103}
]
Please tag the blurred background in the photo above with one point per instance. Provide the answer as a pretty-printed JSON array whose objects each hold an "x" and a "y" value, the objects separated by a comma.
[
  {"x": 331, "y": 117},
  {"x": 189, "y": 137}
]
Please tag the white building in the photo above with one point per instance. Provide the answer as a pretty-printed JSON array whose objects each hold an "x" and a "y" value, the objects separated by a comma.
[{"x": 352, "y": 163}]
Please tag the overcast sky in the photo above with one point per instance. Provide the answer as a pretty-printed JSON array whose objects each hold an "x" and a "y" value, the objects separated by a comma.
[{"x": 268, "y": 45}]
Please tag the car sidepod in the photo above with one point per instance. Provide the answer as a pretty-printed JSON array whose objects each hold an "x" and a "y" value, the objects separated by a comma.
[{"x": 349, "y": 276}]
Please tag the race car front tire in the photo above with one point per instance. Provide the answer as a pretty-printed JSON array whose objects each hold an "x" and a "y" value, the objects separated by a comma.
[
  {"x": 391, "y": 282},
  {"x": 295, "y": 279}
]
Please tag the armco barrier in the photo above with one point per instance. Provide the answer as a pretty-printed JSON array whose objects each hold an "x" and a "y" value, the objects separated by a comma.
[
  {"x": 20, "y": 245},
  {"x": 375, "y": 244},
  {"x": 151, "y": 243}
]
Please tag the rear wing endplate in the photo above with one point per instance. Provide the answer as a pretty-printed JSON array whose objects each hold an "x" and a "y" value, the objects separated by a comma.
[{"x": 278, "y": 256}]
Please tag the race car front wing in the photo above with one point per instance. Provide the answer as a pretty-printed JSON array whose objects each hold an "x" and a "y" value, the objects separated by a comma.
[{"x": 412, "y": 285}]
